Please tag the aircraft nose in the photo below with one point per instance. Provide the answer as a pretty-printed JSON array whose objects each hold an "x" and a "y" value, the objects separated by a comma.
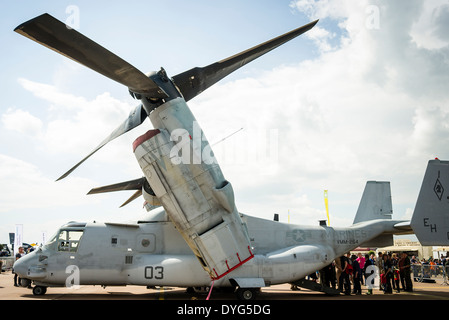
[
  {"x": 31, "y": 267},
  {"x": 21, "y": 267}
]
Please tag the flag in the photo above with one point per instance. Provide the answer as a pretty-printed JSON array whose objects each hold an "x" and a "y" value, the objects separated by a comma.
[
  {"x": 326, "y": 203},
  {"x": 18, "y": 238}
]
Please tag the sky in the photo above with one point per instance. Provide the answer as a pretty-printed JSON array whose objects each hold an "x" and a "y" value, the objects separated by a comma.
[{"x": 363, "y": 96}]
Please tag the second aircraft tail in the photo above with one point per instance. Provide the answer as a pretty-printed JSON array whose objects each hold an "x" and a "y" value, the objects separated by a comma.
[{"x": 430, "y": 220}]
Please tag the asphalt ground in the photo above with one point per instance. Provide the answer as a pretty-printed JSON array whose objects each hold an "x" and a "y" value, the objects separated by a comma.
[
  {"x": 437, "y": 290},
  {"x": 277, "y": 299}
]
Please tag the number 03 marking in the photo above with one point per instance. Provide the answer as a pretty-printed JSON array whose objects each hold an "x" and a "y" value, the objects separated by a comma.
[{"x": 154, "y": 272}]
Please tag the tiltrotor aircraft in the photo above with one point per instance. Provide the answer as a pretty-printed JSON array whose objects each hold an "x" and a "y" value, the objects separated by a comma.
[{"x": 196, "y": 237}]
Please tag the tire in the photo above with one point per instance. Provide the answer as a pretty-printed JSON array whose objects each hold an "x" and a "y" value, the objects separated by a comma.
[
  {"x": 39, "y": 291},
  {"x": 246, "y": 294}
]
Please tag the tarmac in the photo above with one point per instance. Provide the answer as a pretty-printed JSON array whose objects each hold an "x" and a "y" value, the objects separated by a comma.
[
  {"x": 438, "y": 290},
  {"x": 274, "y": 302}
]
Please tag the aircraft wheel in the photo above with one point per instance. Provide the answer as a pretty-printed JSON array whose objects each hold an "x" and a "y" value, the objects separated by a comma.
[
  {"x": 246, "y": 293},
  {"x": 39, "y": 291},
  {"x": 25, "y": 283}
]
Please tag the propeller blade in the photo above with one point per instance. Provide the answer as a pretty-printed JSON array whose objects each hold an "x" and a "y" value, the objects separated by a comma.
[
  {"x": 196, "y": 80},
  {"x": 137, "y": 184},
  {"x": 135, "y": 118},
  {"x": 57, "y": 36},
  {"x": 137, "y": 194}
]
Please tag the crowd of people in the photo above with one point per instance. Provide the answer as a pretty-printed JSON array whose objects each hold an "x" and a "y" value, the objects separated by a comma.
[
  {"x": 349, "y": 272},
  {"x": 429, "y": 268}
]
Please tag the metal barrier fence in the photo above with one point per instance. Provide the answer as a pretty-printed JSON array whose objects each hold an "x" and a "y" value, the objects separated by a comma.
[
  {"x": 6, "y": 263},
  {"x": 430, "y": 273}
]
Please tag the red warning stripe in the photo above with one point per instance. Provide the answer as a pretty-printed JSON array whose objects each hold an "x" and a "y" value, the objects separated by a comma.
[
  {"x": 234, "y": 267},
  {"x": 146, "y": 136}
]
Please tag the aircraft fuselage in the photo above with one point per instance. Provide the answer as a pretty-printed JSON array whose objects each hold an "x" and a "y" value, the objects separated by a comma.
[{"x": 153, "y": 253}]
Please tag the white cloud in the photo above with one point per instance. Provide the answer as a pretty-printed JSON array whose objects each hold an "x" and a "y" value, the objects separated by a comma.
[
  {"x": 30, "y": 197},
  {"x": 321, "y": 38},
  {"x": 75, "y": 125},
  {"x": 430, "y": 30},
  {"x": 326, "y": 8},
  {"x": 24, "y": 186},
  {"x": 50, "y": 93},
  {"x": 371, "y": 107},
  {"x": 22, "y": 122},
  {"x": 431, "y": 130}
]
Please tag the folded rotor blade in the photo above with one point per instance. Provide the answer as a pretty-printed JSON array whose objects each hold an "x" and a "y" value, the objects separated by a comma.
[
  {"x": 137, "y": 184},
  {"x": 137, "y": 194},
  {"x": 135, "y": 118},
  {"x": 196, "y": 80},
  {"x": 57, "y": 36}
]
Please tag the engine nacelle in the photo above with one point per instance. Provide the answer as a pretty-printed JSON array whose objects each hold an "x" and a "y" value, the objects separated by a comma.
[
  {"x": 192, "y": 189},
  {"x": 151, "y": 200}
]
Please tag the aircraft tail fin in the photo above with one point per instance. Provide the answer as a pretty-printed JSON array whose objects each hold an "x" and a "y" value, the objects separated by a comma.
[
  {"x": 430, "y": 220},
  {"x": 375, "y": 202}
]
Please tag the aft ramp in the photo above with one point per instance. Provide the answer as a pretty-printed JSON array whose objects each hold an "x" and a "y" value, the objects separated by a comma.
[{"x": 430, "y": 220}]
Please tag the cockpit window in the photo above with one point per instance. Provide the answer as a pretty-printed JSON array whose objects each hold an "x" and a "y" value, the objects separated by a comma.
[{"x": 68, "y": 240}]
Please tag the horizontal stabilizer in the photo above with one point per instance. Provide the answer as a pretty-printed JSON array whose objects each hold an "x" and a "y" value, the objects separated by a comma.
[{"x": 430, "y": 220}]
